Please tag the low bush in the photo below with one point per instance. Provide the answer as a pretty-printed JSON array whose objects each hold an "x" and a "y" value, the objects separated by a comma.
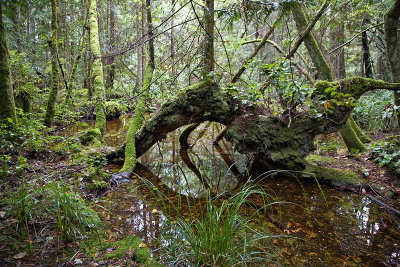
[{"x": 387, "y": 152}]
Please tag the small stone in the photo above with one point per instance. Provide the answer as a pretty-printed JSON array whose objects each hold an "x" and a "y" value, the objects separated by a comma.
[{"x": 78, "y": 261}]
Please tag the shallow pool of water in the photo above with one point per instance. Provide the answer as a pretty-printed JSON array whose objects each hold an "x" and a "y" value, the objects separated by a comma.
[{"x": 330, "y": 228}]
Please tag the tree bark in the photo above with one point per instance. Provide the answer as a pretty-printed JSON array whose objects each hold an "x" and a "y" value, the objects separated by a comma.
[
  {"x": 51, "y": 102},
  {"x": 139, "y": 36},
  {"x": 393, "y": 49},
  {"x": 112, "y": 39},
  {"x": 367, "y": 65},
  {"x": 323, "y": 68},
  {"x": 7, "y": 105},
  {"x": 71, "y": 80},
  {"x": 349, "y": 135},
  {"x": 208, "y": 58}
]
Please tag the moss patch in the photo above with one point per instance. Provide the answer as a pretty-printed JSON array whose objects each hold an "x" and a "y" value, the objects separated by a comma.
[
  {"x": 127, "y": 247},
  {"x": 113, "y": 110},
  {"x": 90, "y": 136},
  {"x": 336, "y": 177},
  {"x": 323, "y": 159}
]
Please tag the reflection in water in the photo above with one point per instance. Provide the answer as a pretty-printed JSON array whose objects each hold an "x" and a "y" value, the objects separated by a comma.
[
  {"x": 115, "y": 130},
  {"x": 346, "y": 229}
]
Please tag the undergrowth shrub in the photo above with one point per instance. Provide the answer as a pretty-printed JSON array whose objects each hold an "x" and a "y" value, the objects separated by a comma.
[
  {"x": 57, "y": 205},
  {"x": 26, "y": 133},
  {"x": 387, "y": 152},
  {"x": 375, "y": 111}
]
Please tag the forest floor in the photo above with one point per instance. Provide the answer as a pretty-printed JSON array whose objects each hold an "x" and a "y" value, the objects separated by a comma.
[{"x": 38, "y": 247}]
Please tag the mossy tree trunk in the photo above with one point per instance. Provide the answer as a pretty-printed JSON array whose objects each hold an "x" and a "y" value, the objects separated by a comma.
[
  {"x": 97, "y": 72},
  {"x": 53, "y": 43},
  {"x": 349, "y": 133},
  {"x": 7, "y": 105},
  {"x": 323, "y": 68},
  {"x": 393, "y": 48},
  {"x": 137, "y": 121}
]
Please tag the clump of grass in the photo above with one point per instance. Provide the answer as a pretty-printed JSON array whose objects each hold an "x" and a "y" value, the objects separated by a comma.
[
  {"x": 221, "y": 235},
  {"x": 72, "y": 217}
]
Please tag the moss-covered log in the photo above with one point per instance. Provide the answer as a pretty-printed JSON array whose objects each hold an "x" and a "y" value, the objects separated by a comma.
[
  {"x": 195, "y": 104},
  {"x": 278, "y": 144},
  {"x": 7, "y": 105}
]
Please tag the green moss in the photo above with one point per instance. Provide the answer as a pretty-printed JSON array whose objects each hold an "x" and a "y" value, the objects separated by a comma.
[
  {"x": 131, "y": 243},
  {"x": 317, "y": 57},
  {"x": 113, "y": 110},
  {"x": 323, "y": 159},
  {"x": 120, "y": 249},
  {"x": 137, "y": 121},
  {"x": 71, "y": 81},
  {"x": 363, "y": 138},
  {"x": 97, "y": 71},
  {"x": 90, "y": 136},
  {"x": 338, "y": 178},
  {"x": 351, "y": 139},
  {"x": 355, "y": 86}
]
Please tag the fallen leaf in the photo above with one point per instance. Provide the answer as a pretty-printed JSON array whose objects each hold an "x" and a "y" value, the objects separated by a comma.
[
  {"x": 154, "y": 211},
  {"x": 142, "y": 245},
  {"x": 20, "y": 255}
]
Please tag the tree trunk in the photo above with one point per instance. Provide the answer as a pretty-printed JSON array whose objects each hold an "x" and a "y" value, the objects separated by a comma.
[
  {"x": 137, "y": 121},
  {"x": 350, "y": 137},
  {"x": 323, "y": 68},
  {"x": 7, "y": 105},
  {"x": 51, "y": 102},
  {"x": 208, "y": 58},
  {"x": 393, "y": 48},
  {"x": 71, "y": 80},
  {"x": 97, "y": 72},
  {"x": 111, "y": 67},
  {"x": 139, "y": 36},
  {"x": 172, "y": 51},
  {"x": 367, "y": 65},
  {"x": 337, "y": 59}
]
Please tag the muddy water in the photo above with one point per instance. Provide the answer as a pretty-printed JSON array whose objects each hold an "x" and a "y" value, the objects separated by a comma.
[
  {"x": 342, "y": 229},
  {"x": 115, "y": 130}
]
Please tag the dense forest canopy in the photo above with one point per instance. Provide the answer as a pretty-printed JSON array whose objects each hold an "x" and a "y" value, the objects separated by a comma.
[{"x": 273, "y": 79}]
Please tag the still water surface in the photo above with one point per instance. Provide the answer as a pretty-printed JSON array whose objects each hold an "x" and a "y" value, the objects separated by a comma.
[{"x": 342, "y": 229}]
